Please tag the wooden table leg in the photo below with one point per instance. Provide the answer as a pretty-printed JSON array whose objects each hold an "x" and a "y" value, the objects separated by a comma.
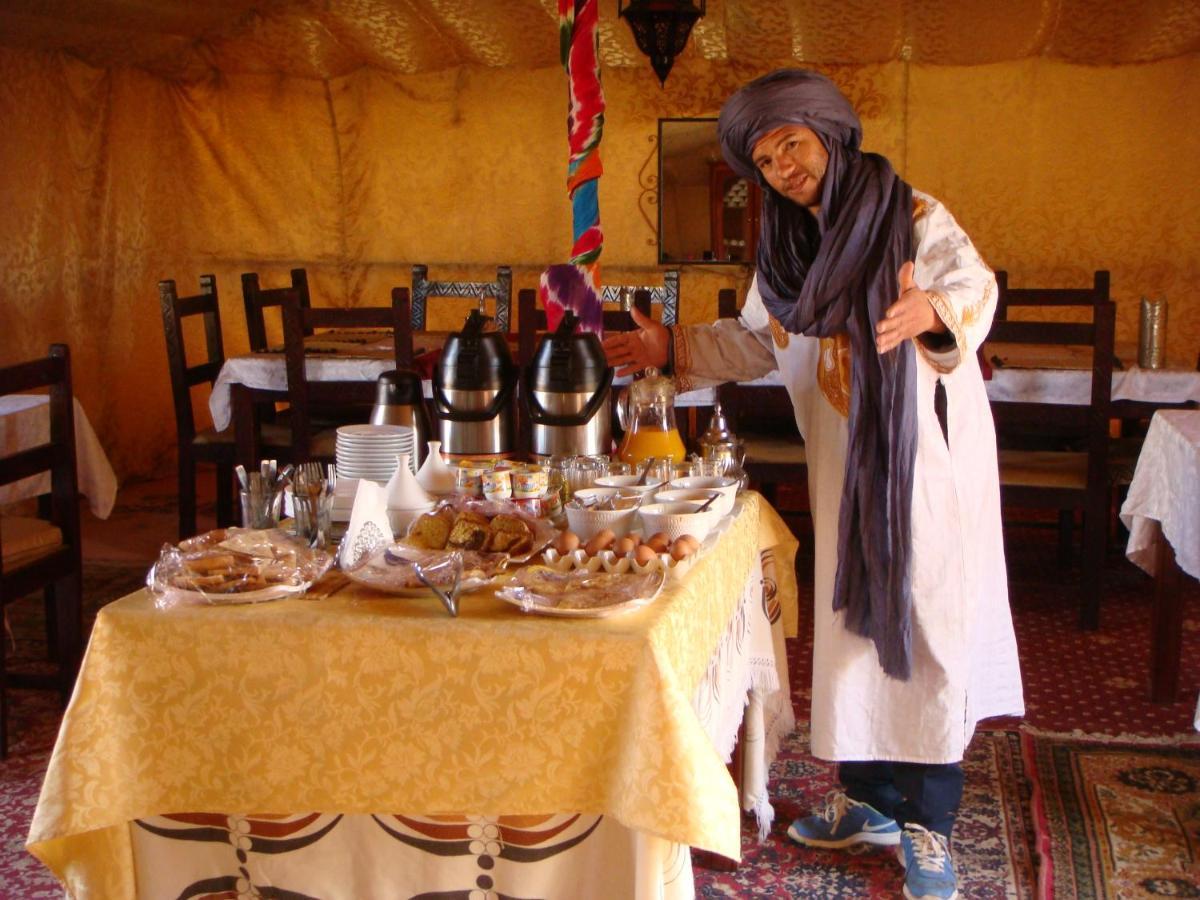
[
  {"x": 245, "y": 428},
  {"x": 1166, "y": 634}
]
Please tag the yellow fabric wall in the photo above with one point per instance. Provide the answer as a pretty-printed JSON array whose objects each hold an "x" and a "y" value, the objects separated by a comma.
[{"x": 113, "y": 179}]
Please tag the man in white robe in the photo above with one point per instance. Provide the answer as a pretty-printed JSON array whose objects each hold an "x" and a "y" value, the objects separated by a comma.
[{"x": 898, "y": 724}]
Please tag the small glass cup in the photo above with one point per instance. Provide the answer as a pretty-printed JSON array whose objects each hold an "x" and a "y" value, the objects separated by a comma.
[
  {"x": 616, "y": 467},
  {"x": 661, "y": 469},
  {"x": 261, "y": 509}
]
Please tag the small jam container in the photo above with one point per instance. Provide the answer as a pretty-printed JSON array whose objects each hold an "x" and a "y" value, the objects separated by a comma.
[
  {"x": 530, "y": 482},
  {"x": 551, "y": 503},
  {"x": 468, "y": 480},
  {"x": 497, "y": 484}
]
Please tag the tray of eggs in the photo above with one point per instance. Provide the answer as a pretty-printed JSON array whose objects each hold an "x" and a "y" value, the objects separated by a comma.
[{"x": 629, "y": 553}]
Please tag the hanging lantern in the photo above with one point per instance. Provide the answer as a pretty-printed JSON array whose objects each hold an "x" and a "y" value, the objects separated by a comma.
[{"x": 661, "y": 28}]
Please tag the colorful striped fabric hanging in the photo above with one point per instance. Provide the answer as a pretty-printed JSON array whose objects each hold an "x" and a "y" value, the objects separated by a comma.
[{"x": 574, "y": 285}]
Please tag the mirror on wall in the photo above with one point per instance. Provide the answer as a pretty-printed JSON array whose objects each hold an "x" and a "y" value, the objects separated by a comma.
[{"x": 707, "y": 213}]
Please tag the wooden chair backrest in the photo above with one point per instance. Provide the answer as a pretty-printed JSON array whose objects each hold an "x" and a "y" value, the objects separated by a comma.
[
  {"x": 531, "y": 320},
  {"x": 499, "y": 290},
  {"x": 258, "y": 299},
  {"x": 175, "y": 310},
  {"x": 305, "y": 396},
  {"x": 1087, "y": 423},
  {"x": 51, "y": 374}
]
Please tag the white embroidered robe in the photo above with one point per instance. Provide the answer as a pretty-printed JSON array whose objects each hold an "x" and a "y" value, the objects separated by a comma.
[{"x": 964, "y": 651}]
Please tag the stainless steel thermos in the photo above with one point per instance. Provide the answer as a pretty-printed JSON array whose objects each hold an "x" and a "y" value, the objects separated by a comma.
[
  {"x": 568, "y": 393},
  {"x": 474, "y": 391}
]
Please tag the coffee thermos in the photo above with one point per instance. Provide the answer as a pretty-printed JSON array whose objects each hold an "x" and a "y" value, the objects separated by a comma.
[
  {"x": 474, "y": 390},
  {"x": 568, "y": 393},
  {"x": 400, "y": 400}
]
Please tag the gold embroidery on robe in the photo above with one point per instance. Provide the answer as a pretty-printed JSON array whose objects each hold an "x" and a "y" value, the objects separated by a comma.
[
  {"x": 683, "y": 358},
  {"x": 833, "y": 363},
  {"x": 970, "y": 314},
  {"x": 833, "y": 371},
  {"x": 778, "y": 333}
]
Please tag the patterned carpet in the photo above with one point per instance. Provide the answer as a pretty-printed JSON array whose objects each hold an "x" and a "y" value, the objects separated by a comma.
[
  {"x": 1116, "y": 819},
  {"x": 1087, "y": 683}
]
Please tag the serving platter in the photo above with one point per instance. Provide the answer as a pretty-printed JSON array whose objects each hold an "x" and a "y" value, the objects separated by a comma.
[{"x": 580, "y": 594}]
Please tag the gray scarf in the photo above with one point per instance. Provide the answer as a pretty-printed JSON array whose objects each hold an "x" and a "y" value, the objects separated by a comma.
[{"x": 837, "y": 272}]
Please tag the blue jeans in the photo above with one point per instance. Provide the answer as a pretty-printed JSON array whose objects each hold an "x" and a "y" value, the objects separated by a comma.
[{"x": 927, "y": 794}]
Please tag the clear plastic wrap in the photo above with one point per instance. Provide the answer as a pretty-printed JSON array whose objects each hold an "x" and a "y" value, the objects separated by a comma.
[
  {"x": 579, "y": 592},
  {"x": 235, "y": 565}
]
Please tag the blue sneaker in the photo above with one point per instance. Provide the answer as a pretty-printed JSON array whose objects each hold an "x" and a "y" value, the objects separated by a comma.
[
  {"x": 928, "y": 869},
  {"x": 844, "y": 822}
]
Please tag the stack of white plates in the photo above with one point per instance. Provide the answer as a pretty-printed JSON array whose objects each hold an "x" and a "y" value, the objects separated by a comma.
[{"x": 370, "y": 451}]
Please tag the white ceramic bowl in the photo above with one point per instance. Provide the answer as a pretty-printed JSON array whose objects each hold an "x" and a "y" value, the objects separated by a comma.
[
  {"x": 678, "y": 518},
  {"x": 723, "y": 504},
  {"x": 586, "y": 522},
  {"x": 595, "y": 493},
  {"x": 727, "y": 486},
  {"x": 629, "y": 483}
]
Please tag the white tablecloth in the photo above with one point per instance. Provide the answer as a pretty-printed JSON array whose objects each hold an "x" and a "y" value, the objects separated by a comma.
[
  {"x": 1167, "y": 386},
  {"x": 1166, "y": 489},
  {"x": 25, "y": 423}
]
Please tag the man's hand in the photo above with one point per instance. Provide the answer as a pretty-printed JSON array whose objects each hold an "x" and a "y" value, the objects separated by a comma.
[
  {"x": 912, "y": 314},
  {"x": 633, "y": 351}
]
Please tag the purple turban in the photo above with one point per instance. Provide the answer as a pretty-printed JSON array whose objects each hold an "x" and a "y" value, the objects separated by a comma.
[{"x": 838, "y": 272}]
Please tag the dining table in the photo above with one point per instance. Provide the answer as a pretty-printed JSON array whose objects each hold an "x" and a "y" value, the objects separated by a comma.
[
  {"x": 346, "y": 743},
  {"x": 1019, "y": 372},
  {"x": 25, "y": 423},
  {"x": 1162, "y": 513}
]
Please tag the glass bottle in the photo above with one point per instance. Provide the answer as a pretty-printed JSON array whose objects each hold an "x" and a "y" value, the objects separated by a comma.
[{"x": 652, "y": 432}]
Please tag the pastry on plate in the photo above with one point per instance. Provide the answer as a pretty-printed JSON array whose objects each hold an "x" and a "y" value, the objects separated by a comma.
[{"x": 469, "y": 532}]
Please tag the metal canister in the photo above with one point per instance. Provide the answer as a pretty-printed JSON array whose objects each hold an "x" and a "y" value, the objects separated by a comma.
[{"x": 1152, "y": 334}]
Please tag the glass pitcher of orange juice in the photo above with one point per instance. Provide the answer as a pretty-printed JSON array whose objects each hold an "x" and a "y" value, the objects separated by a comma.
[{"x": 652, "y": 432}]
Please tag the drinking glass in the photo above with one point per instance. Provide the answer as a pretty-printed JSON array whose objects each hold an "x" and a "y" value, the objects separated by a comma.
[
  {"x": 312, "y": 512},
  {"x": 261, "y": 509}
]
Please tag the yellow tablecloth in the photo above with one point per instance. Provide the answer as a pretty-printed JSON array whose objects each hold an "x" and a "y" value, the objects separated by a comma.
[{"x": 363, "y": 703}]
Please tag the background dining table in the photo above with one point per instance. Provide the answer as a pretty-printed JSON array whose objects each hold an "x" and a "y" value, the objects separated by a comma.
[
  {"x": 1021, "y": 372},
  {"x": 25, "y": 423},
  {"x": 337, "y": 743},
  {"x": 1162, "y": 513}
]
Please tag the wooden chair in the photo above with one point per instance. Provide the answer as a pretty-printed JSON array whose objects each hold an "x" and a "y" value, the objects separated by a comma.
[
  {"x": 43, "y": 553},
  {"x": 258, "y": 299},
  {"x": 531, "y": 320},
  {"x": 665, "y": 295},
  {"x": 205, "y": 445},
  {"x": 1054, "y": 455},
  {"x": 499, "y": 290},
  {"x": 306, "y": 397}
]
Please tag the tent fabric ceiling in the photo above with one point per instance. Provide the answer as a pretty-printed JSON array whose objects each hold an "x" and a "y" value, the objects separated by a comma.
[{"x": 185, "y": 40}]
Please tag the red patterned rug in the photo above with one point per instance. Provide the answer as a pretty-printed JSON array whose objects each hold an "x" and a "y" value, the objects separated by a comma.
[
  {"x": 993, "y": 838},
  {"x": 1115, "y": 819}
]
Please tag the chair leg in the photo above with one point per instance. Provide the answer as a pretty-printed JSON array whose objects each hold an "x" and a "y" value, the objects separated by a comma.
[
  {"x": 225, "y": 494},
  {"x": 68, "y": 615},
  {"x": 49, "y": 601},
  {"x": 187, "y": 495},
  {"x": 3, "y": 693},
  {"x": 1095, "y": 528},
  {"x": 1066, "y": 529}
]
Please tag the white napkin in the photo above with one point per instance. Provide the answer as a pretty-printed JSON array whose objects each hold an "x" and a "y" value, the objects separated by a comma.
[{"x": 368, "y": 526}]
